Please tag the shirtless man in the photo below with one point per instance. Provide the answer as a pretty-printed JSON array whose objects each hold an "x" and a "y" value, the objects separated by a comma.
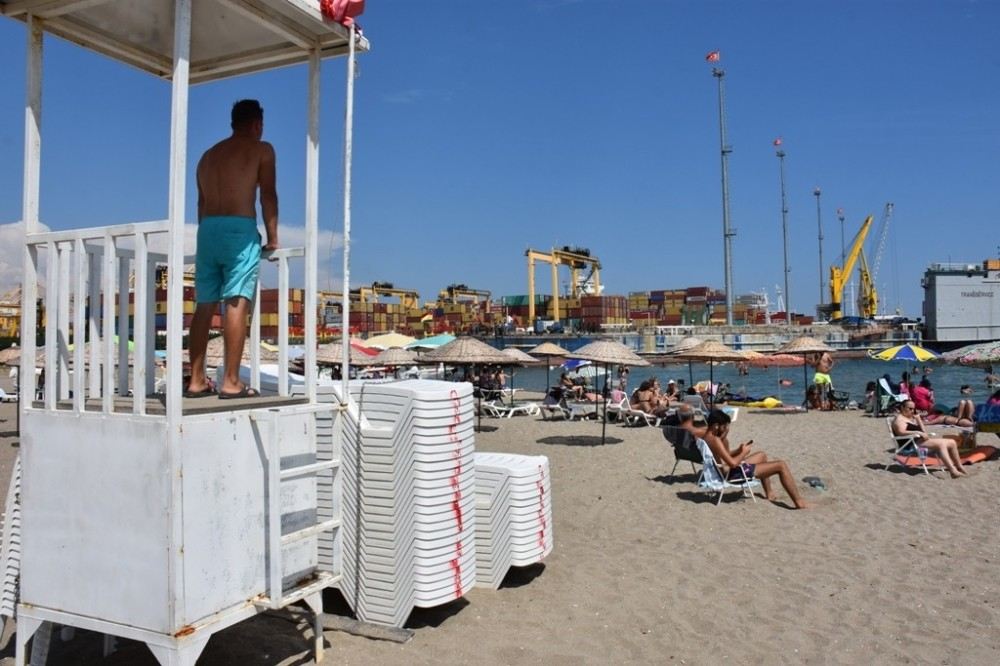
[
  {"x": 229, "y": 246},
  {"x": 754, "y": 464}
]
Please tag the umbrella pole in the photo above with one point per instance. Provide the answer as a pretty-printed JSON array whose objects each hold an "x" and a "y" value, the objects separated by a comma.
[
  {"x": 479, "y": 400},
  {"x": 711, "y": 385},
  {"x": 805, "y": 383},
  {"x": 690, "y": 374},
  {"x": 604, "y": 420},
  {"x": 548, "y": 366},
  {"x": 512, "y": 386}
]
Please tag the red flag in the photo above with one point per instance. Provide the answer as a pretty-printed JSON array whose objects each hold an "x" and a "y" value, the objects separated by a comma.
[
  {"x": 777, "y": 142},
  {"x": 713, "y": 56},
  {"x": 341, "y": 11}
]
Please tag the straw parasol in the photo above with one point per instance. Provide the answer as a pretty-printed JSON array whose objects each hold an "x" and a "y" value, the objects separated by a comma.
[
  {"x": 609, "y": 353},
  {"x": 11, "y": 355},
  {"x": 685, "y": 344},
  {"x": 395, "y": 356},
  {"x": 982, "y": 354},
  {"x": 548, "y": 350},
  {"x": 805, "y": 345},
  {"x": 468, "y": 350},
  {"x": 332, "y": 353},
  {"x": 517, "y": 357},
  {"x": 711, "y": 351}
]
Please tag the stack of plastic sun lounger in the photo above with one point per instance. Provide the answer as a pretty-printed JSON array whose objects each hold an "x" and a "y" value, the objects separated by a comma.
[
  {"x": 520, "y": 533},
  {"x": 409, "y": 500}
]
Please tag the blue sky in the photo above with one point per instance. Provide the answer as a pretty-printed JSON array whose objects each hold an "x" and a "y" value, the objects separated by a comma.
[{"x": 487, "y": 127}]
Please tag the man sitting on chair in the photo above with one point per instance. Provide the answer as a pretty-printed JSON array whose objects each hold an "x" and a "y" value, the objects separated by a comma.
[{"x": 754, "y": 465}]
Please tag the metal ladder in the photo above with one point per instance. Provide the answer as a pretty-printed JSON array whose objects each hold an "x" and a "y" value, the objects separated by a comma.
[{"x": 276, "y": 541}]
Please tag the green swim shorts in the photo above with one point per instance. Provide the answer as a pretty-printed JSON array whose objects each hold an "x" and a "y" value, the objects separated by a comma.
[{"x": 228, "y": 258}]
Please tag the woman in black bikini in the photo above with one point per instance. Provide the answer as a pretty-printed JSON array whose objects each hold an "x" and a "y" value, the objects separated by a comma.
[{"x": 908, "y": 421}]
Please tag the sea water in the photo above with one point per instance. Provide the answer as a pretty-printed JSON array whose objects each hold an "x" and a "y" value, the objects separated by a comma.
[{"x": 850, "y": 375}]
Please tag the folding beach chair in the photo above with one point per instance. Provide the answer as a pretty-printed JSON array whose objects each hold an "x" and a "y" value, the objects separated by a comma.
[
  {"x": 886, "y": 400},
  {"x": 684, "y": 445},
  {"x": 906, "y": 449},
  {"x": 712, "y": 480}
]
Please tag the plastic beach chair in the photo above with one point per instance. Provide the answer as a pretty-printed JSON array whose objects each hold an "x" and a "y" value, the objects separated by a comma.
[
  {"x": 633, "y": 416},
  {"x": 712, "y": 479},
  {"x": 684, "y": 445}
]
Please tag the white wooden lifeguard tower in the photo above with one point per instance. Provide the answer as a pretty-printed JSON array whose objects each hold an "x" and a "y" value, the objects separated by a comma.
[{"x": 148, "y": 516}]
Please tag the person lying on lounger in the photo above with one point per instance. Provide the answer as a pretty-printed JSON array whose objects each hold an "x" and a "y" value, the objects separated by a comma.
[
  {"x": 754, "y": 465},
  {"x": 908, "y": 422},
  {"x": 923, "y": 400}
]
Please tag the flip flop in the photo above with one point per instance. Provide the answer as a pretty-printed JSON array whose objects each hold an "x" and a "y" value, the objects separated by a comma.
[
  {"x": 204, "y": 393},
  {"x": 245, "y": 392}
]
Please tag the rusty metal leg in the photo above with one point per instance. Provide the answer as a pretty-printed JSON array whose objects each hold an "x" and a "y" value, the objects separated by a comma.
[{"x": 184, "y": 655}]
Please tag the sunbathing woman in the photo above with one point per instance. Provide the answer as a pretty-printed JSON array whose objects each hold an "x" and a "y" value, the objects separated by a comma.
[
  {"x": 755, "y": 465},
  {"x": 923, "y": 400},
  {"x": 909, "y": 422}
]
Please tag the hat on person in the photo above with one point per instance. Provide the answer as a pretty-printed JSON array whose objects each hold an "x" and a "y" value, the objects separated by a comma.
[{"x": 671, "y": 381}]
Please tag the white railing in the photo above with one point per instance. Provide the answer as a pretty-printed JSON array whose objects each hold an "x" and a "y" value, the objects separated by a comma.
[
  {"x": 281, "y": 256},
  {"x": 90, "y": 267},
  {"x": 86, "y": 271}
]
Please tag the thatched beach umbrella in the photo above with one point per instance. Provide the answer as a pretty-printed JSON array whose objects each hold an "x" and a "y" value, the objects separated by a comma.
[
  {"x": 981, "y": 354},
  {"x": 332, "y": 353},
  {"x": 395, "y": 357},
  {"x": 11, "y": 355},
  {"x": 548, "y": 350},
  {"x": 711, "y": 351},
  {"x": 517, "y": 357},
  {"x": 690, "y": 342},
  {"x": 609, "y": 353},
  {"x": 805, "y": 345},
  {"x": 466, "y": 350}
]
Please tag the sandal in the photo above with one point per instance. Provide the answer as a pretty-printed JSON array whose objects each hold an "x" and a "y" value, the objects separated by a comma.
[
  {"x": 245, "y": 392},
  {"x": 204, "y": 393}
]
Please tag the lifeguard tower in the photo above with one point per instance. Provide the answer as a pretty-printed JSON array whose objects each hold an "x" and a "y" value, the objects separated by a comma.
[{"x": 144, "y": 515}]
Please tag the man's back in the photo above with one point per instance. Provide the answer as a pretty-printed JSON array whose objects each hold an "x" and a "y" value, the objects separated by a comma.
[{"x": 228, "y": 175}]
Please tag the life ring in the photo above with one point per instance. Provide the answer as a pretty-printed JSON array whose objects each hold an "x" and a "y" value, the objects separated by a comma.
[{"x": 978, "y": 454}]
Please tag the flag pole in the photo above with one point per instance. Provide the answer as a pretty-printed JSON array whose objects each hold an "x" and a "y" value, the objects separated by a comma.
[{"x": 727, "y": 232}]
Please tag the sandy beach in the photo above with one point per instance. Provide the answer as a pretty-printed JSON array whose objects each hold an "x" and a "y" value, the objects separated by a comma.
[{"x": 891, "y": 567}]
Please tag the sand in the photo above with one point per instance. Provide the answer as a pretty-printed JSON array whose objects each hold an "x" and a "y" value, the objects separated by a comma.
[{"x": 890, "y": 567}]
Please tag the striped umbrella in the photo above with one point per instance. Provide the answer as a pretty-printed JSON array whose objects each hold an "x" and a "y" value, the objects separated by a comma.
[{"x": 907, "y": 352}]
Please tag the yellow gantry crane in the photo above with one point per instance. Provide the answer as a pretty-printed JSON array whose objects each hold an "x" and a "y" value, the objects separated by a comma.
[
  {"x": 454, "y": 293},
  {"x": 577, "y": 259},
  {"x": 839, "y": 275},
  {"x": 408, "y": 298}
]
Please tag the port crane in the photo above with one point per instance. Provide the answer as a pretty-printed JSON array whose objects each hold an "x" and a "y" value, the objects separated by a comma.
[
  {"x": 839, "y": 276},
  {"x": 408, "y": 298},
  {"x": 577, "y": 259},
  {"x": 454, "y": 293},
  {"x": 868, "y": 300}
]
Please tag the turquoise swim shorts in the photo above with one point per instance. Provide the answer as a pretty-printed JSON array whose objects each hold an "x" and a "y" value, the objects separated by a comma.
[{"x": 228, "y": 258}]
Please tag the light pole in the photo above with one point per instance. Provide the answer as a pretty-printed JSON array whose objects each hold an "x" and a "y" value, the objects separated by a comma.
[
  {"x": 819, "y": 225},
  {"x": 727, "y": 232},
  {"x": 784, "y": 227}
]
